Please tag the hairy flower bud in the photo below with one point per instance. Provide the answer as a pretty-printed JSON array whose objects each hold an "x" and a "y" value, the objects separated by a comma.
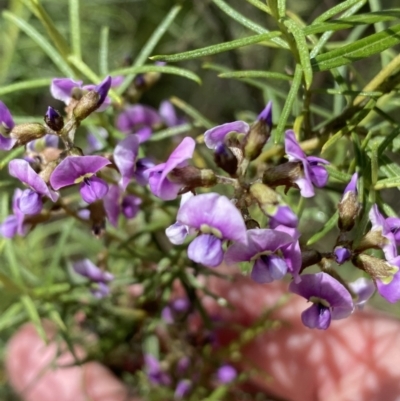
[
  {"x": 259, "y": 134},
  {"x": 225, "y": 159},
  {"x": 349, "y": 207},
  {"x": 372, "y": 239},
  {"x": 54, "y": 119},
  {"x": 27, "y": 132},
  {"x": 193, "y": 177},
  {"x": 285, "y": 174},
  {"x": 264, "y": 196},
  {"x": 377, "y": 268}
]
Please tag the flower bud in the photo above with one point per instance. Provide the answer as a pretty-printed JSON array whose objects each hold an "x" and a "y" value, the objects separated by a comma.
[
  {"x": 225, "y": 159},
  {"x": 259, "y": 134},
  {"x": 266, "y": 197},
  {"x": 377, "y": 268},
  {"x": 193, "y": 177},
  {"x": 27, "y": 132},
  {"x": 54, "y": 119},
  {"x": 342, "y": 254},
  {"x": 285, "y": 174},
  {"x": 349, "y": 206},
  {"x": 372, "y": 239}
]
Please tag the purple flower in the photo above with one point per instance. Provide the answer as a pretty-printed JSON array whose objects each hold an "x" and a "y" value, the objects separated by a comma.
[
  {"x": 342, "y": 254},
  {"x": 142, "y": 172},
  {"x": 351, "y": 186},
  {"x": 160, "y": 185},
  {"x": 314, "y": 173},
  {"x": 389, "y": 287},
  {"x": 14, "y": 224},
  {"x": 380, "y": 226},
  {"x": 154, "y": 372},
  {"x": 364, "y": 289},
  {"x": 47, "y": 141},
  {"x": 174, "y": 309},
  {"x": 214, "y": 136},
  {"x": 217, "y": 219},
  {"x": 6, "y": 125},
  {"x": 178, "y": 232},
  {"x": 226, "y": 374},
  {"x": 267, "y": 248},
  {"x": 182, "y": 389},
  {"x": 394, "y": 226},
  {"x": 125, "y": 154},
  {"x": 66, "y": 89},
  {"x": 168, "y": 114},
  {"x": 138, "y": 119},
  {"x": 93, "y": 142},
  {"x": 330, "y": 299},
  {"x": 81, "y": 170},
  {"x": 115, "y": 203},
  {"x": 30, "y": 201},
  {"x": 282, "y": 215}
]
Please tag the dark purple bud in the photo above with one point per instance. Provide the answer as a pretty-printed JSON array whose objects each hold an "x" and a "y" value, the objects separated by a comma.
[
  {"x": 54, "y": 119},
  {"x": 342, "y": 254},
  {"x": 102, "y": 89},
  {"x": 225, "y": 159}
]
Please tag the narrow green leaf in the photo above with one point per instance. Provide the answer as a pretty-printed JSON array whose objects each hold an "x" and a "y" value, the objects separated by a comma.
[
  {"x": 75, "y": 28},
  {"x": 329, "y": 225},
  {"x": 388, "y": 168},
  {"x": 34, "y": 316},
  {"x": 336, "y": 10},
  {"x": 163, "y": 69},
  {"x": 260, "y": 5},
  {"x": 42, "y": 42},
  {"x": 287, "y": 108},
  {"x": 103, "y": 51},
  {"x": 148, "y": 48},
  {"x": 192, "y": 112},
  {"x": 170, "y": 132},
  {"x": 256, "y": 74},
  {"x": 14, "y": 314},
  {"x": 338, "y": 175},
  {"x": 388, "y": 140},
  {"x": 360, "y": 49},
  {"x": 219, "y": 48},
  {"x": 25, "y": 85},
  {"x": 302, "y": 49},
  {"x": 282, "y": 8},
  {"x": 235, "y": 15},
  {"x": 387, "y": 183}
]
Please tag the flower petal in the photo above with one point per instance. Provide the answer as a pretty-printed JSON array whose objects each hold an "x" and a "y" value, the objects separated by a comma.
[
  {"x": 111, "y": 203},
  {"x": 87, "y": 269},
  {"x": 6, "y": 119},
  {"x": 93, "y": 189},
  {"x": 207, "y": 250},
  {"x": 135, "y": 116},
  {"x": 30, "y": 202},
  {"x": 214, "y": 136},
  {"x": 125, "y": 155},
  {"x": 316, "y": 317},
  {"x": 292, "y": 147},
  {"x": 61, "y": 88}
]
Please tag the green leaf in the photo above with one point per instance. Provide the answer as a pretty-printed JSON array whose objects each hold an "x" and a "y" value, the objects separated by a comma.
[
  {"x": 75, "y": 28},
  {"x": 358, "y": 50},
  {"x": 256, "y": 74},
  {"x": 338, "y": 175},
  {"x": 287, "y": 108},
  {"x": 336, "y": 10},
  {"x": 192, "y": 112},
  {"x": 34, "y": 316},
  {"x": 25, "y": 85},
  {"x": 260, "y": 5},
  {"x": 219, "y": 48},
  {"x": 14, "y": 314},
  {"x": 170, "y": 132},
  {"x": 42, "y": 42},
  {"x": 103, "y": 51},
  {"x": 387, "y": 183},
  {"x": 302, "y": 49},
  {"x": 163, "y": 69},
  {"x": 235, "y": 15},
  {"x": 329, "y": 225},
  {"x": 148, "y": 48},
  {"x": 388, "y": 140}
]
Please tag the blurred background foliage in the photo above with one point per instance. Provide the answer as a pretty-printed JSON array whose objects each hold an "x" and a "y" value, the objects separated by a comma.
[{"x": 200, "y": 23}]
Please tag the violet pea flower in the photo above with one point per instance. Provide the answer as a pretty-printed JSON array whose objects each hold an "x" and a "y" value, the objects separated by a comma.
[
  {"x": 389, "y": 287},
  {"x": 125, "y": 155},
  {"x": 6, "y": 125},
  {"x": 214, "y": 136},
  {"x": 81, "y": 170},
  {"x": 14, "y": 224},
  {"x": 168, "y": 114},
  {"x": 265, "y": 248},
  {"x": 30, "y": 201},
  {"x": 330, "y": 300},
  {"x": 363, "y": 289},
  {"x": 154, "y": 371},
  {"x": 226, "y": 374},
  {"x": 394, "y": 226},
  {"x": 314, "y": 173},
  {"x": 217, "y": 219},
  {"x": 160, "y": 185}
]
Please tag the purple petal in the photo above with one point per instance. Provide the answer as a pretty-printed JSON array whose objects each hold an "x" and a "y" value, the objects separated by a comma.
[
  {"x": 101, "y": 291},
  {"x": 7, "y": 143},
  {"x": 182, "y": 389},
  {"x": 94, "y": 143},
  {"x": 159, "y": 183},
  {"x": 144, "y": 134},
  {"x": 266, "y": 269},
  {"x": 214, "y": 136},
  {"x": 61, "y": 88},
  {"x": 142, "y": 171},
  {"x": 207, "y": 250},
  {"x": 316, "y": 317},
  {"x": 391, "y": 291},
  {"x": 9, "y": 227},
  {"x": 305, "y": 186},
  {"x": 93, "y": 189},
  {"x": 117, "y": 81},
  {"x": 130, "y": 206},
  {"x": 342, "y": 254},
  {"x": 325, "y": 287},
  {"x": 111, "y": 203},
  {"x": 125, "y": 155},
  {"x": 292, "y": 147},
  {"x": 216, "y": 212},
  {"x": 30, "y": 202},
  {"x": 266, "y": 115},
  {"x": 102, "y": 89},
  {"x": 352, "y": 185},
  {"x": 6, "y": 119},
  {"x": 394, "y": 226},
  {"x": 73, "y": 168},
  {"x": 283, "y": 215},
  {"x": 364, "y": 289},
  {"x": 226, "y": 374},
  {"x": 177, "y": 233},
  {"x": 167, "y": 315},
  {"x": 319, "y": 176},
  {"x": 135, "y": 116},
  {"x": 47, "y": 141},
  {"x": 168, "y": 114},
  {"x": 87, "y": 269},
  {"x": 258, "y": 241}
]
